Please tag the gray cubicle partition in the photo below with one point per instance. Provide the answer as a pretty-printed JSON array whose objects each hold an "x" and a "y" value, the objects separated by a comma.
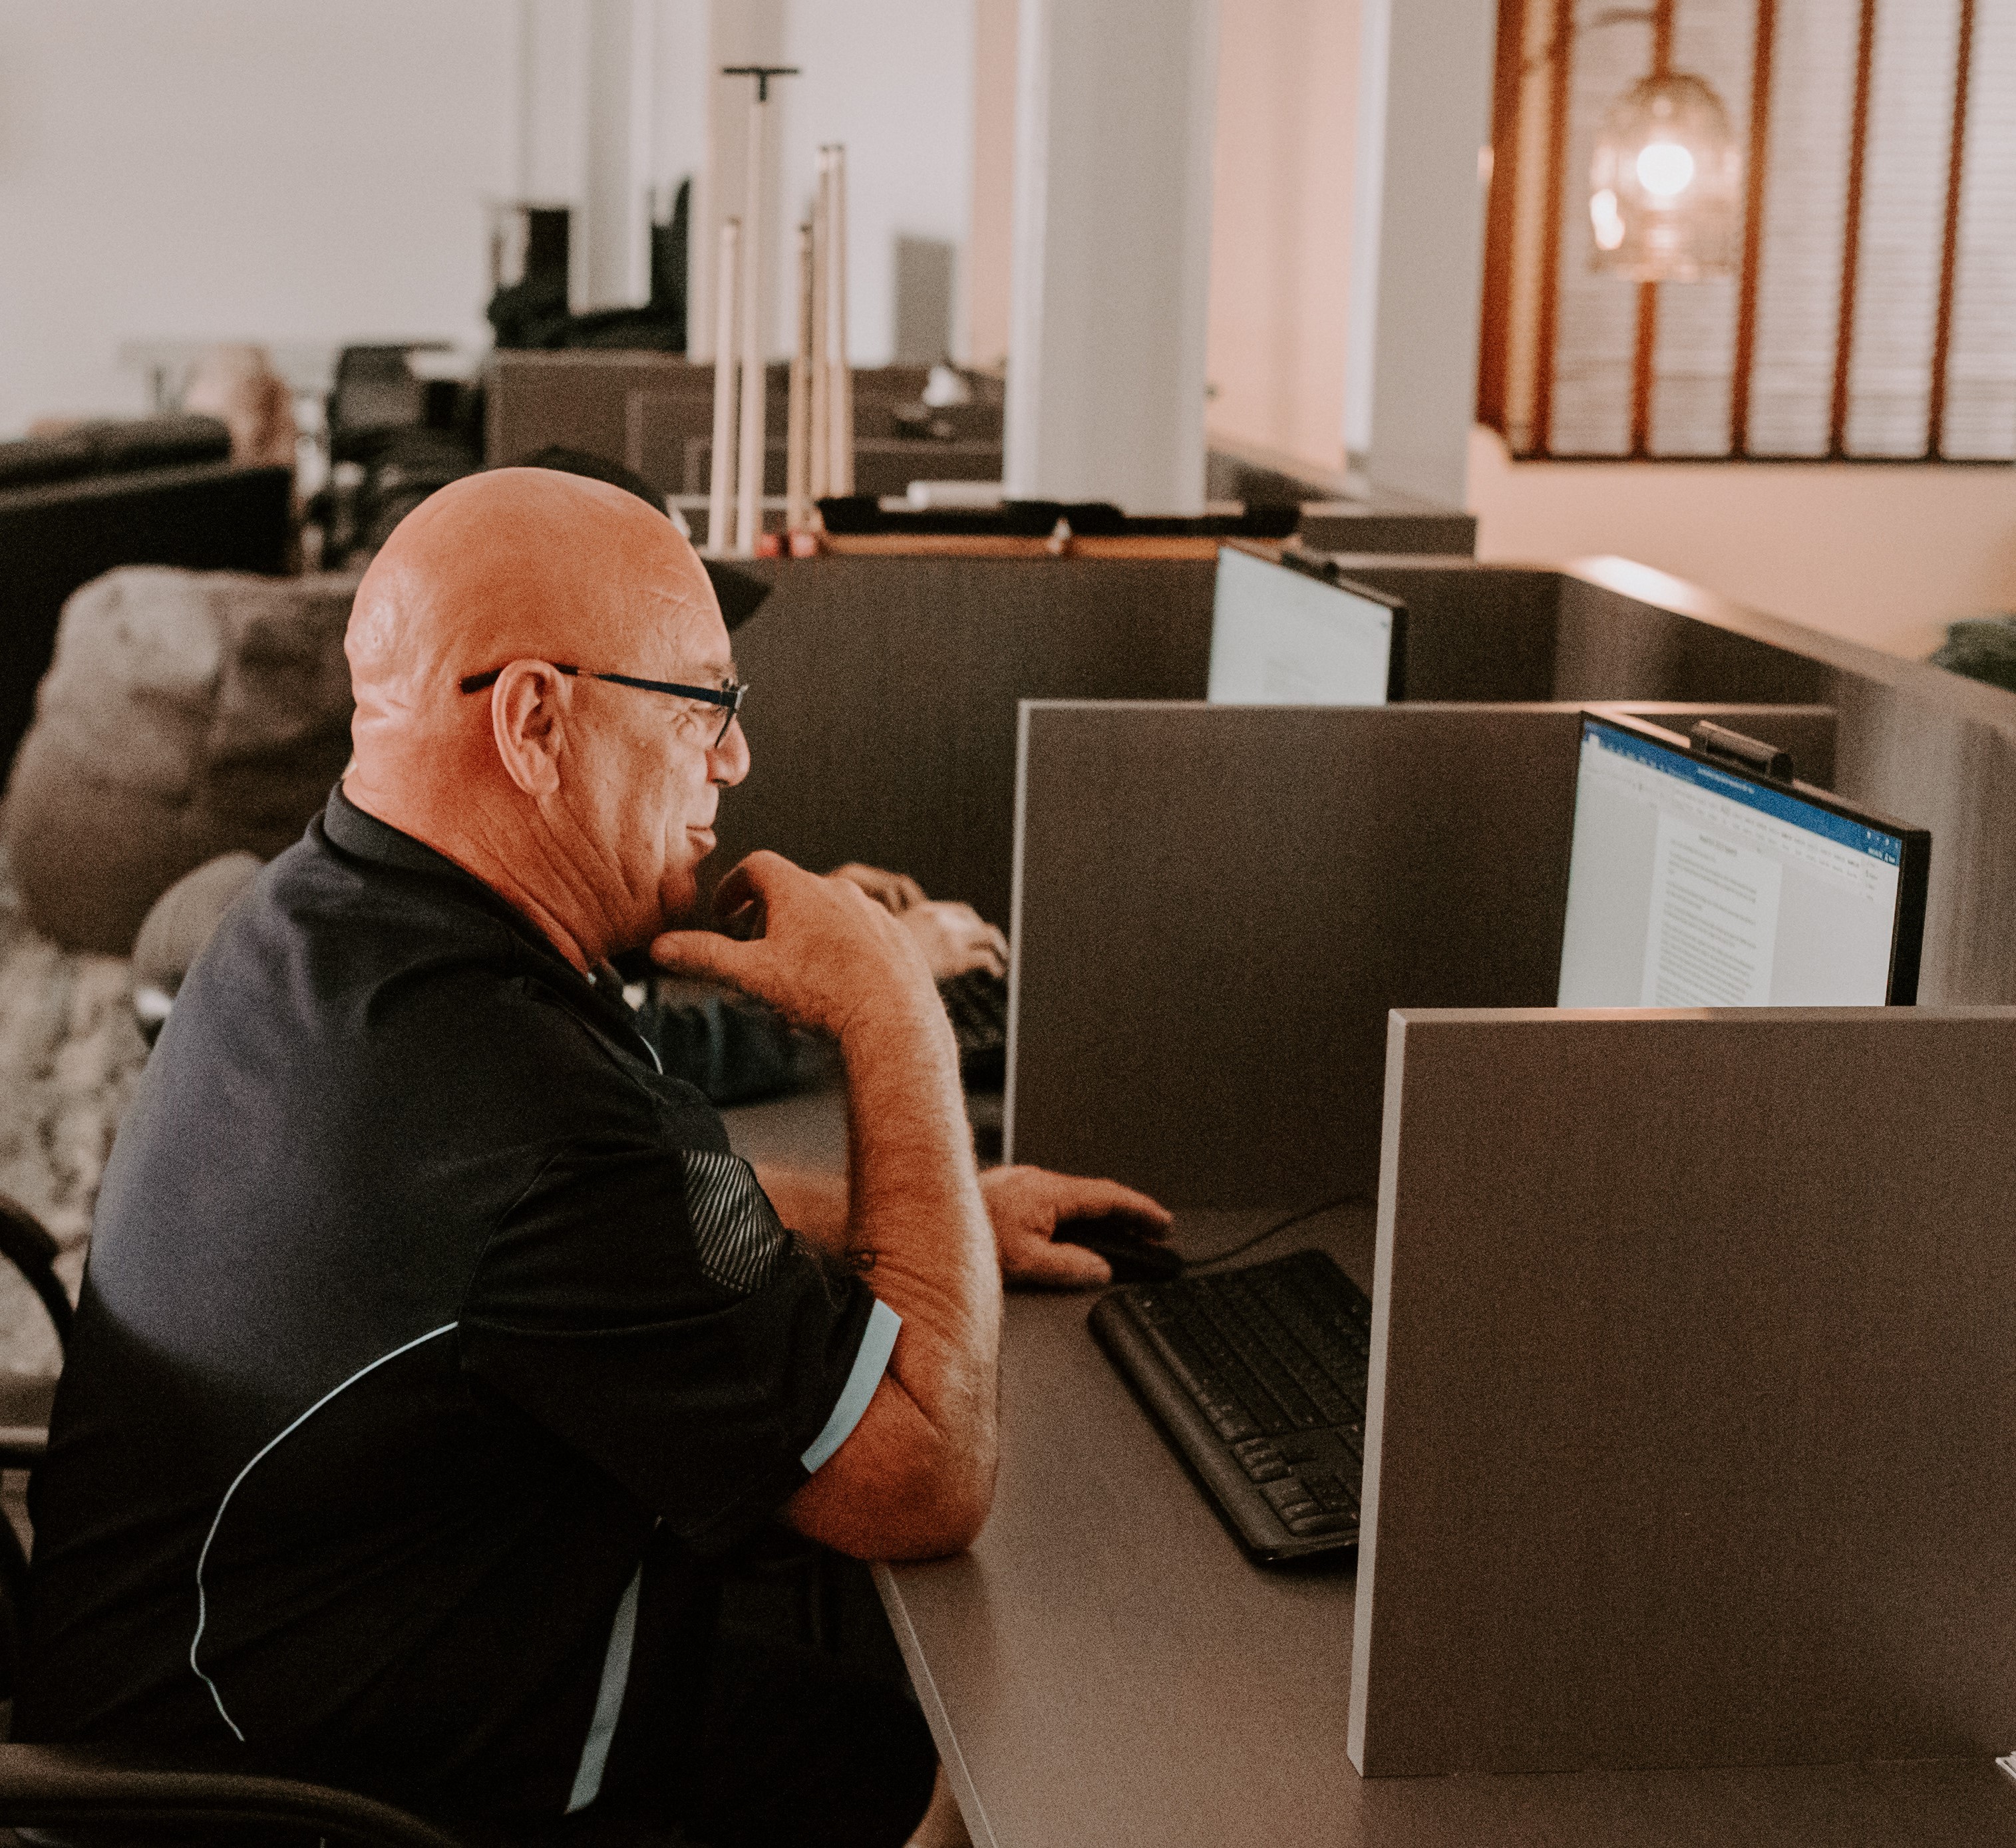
[
  {"x": 1693, "y": 1370},
  {"x": 881, "y": 717},
  {"x": 883, "y": 720},
  {"x": 1915, "y": 740},
  {"x": 1339, "y": 513},
  {"x": 1216, "y": 906}
]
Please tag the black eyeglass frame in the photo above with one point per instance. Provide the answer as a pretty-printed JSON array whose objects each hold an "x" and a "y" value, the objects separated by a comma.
[{"x": 731, "y": 696}]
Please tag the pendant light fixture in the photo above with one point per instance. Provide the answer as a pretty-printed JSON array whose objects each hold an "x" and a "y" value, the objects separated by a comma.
[{"x": 1665, "y": 182}]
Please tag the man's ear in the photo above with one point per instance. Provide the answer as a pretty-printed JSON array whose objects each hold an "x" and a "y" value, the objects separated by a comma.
[{"x": 527, "y": 721}]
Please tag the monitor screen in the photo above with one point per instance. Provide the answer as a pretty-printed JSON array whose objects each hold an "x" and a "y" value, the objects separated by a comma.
[
  {"x": 1282, "y": 636},
  {"x": 1691, "y": 884}
]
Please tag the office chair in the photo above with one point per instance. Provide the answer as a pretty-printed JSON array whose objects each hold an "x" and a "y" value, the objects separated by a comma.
[{"x": 71, "y": 1789}]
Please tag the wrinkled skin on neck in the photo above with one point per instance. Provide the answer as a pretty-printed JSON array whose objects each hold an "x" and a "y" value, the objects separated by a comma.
[{"x": 587, "y": 805}]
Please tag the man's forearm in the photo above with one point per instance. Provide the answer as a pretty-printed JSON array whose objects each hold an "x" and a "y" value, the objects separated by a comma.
[{"x": 917, "y": 1225}]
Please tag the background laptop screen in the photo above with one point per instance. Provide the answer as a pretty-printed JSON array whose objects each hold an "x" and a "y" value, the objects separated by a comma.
[
  {"x": 1280, "y": 637},
  {"x": 1692, "y": 885}
]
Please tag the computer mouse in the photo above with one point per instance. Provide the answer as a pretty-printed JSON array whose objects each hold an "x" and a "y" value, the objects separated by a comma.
[{"x": 1136, "y": 1258}]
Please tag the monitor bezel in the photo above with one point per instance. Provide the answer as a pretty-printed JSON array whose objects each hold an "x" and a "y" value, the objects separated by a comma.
[
  {"x": 1914, "y": 844},
  {"x": 1324, "y": 569}
]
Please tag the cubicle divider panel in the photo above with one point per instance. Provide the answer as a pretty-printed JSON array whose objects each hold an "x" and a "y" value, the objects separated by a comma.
[
  {"x": 1917, "y": 742},
  {"x": 1474, "y": 632},
  {"x": 1611, "y": 646},
  {"x": 1216, "y": 906},
  {"x": 1693, "y": 1369},
  {"x": 639, "y": 407},
  {"x": 881, "y": 722}
]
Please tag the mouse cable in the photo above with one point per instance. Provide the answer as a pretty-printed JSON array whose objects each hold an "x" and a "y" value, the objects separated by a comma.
[{"x": 1279, "y": 1225}]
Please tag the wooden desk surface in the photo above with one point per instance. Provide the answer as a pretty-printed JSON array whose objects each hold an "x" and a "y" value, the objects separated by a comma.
[{"x": 1105, "y": 1667}]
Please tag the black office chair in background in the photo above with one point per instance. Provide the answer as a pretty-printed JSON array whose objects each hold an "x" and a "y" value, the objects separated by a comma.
[
  {"x": 77, "y": 1792},
  {"x": 401, "y": 435}
]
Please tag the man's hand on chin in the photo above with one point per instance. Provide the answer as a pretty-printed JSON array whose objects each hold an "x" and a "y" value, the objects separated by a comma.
[{"x": 1028, "y": 1206}]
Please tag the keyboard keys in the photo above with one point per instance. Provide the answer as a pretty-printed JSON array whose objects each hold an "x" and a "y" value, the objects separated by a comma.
[
  {"x": 1275, "y": 1355},
  {"x": 1260, "y": 1460},
  {"x": 1305, "y": 1526}
]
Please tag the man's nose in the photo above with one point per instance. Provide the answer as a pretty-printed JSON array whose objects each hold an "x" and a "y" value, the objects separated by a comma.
[{"x": 728, "y": 762}]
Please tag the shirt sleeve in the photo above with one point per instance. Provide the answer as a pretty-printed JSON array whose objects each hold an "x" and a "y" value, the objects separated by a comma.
[{"x": 647, "y": 1307}]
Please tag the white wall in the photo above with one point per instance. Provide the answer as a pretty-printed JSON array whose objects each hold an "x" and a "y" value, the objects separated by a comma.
[
  {"x": 290, "y": 169},
  {"x": 891, "y": 81},
  {"x": 304, "y": 171}
]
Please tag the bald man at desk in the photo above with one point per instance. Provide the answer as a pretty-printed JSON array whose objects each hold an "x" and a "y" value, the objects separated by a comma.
[{"x": 436, "y": 1348}]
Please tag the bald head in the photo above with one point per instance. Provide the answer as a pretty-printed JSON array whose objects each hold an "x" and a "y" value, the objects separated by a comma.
[
  {"x": 516, "y": 566},
  {"x": 513, "y": 563}
]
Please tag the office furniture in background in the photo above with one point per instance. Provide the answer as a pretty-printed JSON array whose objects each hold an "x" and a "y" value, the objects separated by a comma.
[
  {"x": 1340, "y": 513},
  {"x": 159, "y": 492},
  {"x": 653, "y": 412}
]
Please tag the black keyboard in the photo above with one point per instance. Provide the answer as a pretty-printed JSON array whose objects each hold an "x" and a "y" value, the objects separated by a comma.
[
  {"x": 976, "y": 1004},
  {"x": 1257, "y": 1376}
]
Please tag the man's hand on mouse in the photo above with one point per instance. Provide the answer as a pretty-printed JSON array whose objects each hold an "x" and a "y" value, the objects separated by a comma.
[{"x": 1027, "y": 1206}]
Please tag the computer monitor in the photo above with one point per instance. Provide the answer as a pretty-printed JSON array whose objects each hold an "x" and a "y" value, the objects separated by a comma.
[
  {"x": 1300, "y": 635},
  {"x": 1695, "y": 882}
]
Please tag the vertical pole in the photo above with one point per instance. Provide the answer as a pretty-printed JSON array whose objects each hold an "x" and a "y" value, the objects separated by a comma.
[
  {"x": 1549, "y": 332},
  {"x": 720, "y": 488},
  {"x": 822, "y": 386},
  {"x": 1645, "y": 351},
  {"x": 1851, "y": 245},
  {"x": 1494, "y": 344},
  {"x": 1745, "y": 365},
  {"x": 1936, "y": 418},
  {"x": 749, "y": 458},
  {"x": 797, "y": 499},
  {"x": 840, "y": 433}
]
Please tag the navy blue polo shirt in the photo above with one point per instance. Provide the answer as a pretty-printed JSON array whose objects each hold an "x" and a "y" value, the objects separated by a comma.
[{"x": 432, "y": 1342}]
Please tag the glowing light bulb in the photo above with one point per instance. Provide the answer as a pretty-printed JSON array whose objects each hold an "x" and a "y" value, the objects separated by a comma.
[
  {"x": 1665, "y": 169},
  {"x": 1604, "y": 219}
]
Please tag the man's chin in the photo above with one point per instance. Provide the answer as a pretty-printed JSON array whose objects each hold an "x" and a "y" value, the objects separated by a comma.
[{"x": 679, "y": 906}]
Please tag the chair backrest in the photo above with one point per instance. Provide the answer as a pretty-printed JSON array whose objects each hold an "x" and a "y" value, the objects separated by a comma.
[{"x": 27, "y": 1244}]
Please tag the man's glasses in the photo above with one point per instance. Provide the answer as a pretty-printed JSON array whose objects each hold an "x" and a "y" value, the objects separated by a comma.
[{"x": 731, "y": 696}]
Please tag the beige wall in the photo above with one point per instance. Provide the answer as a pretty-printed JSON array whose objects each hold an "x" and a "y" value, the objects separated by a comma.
[
  {"x": 1287, "y": 79},
  {"x": 1883, "y": 554}
]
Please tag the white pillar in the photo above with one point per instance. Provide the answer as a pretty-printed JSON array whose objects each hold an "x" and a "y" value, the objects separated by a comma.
[
  {"x": 739, "y": 32},
  {"x": 1368, "y": 183},
  {"x": 1115, "y": 101},
  {"x": 1426, "y": 260},
  {"x": 614, "y": 216}
]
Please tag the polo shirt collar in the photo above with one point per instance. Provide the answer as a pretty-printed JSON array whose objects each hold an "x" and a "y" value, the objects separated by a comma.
[{"x": 362, "y": 836}]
